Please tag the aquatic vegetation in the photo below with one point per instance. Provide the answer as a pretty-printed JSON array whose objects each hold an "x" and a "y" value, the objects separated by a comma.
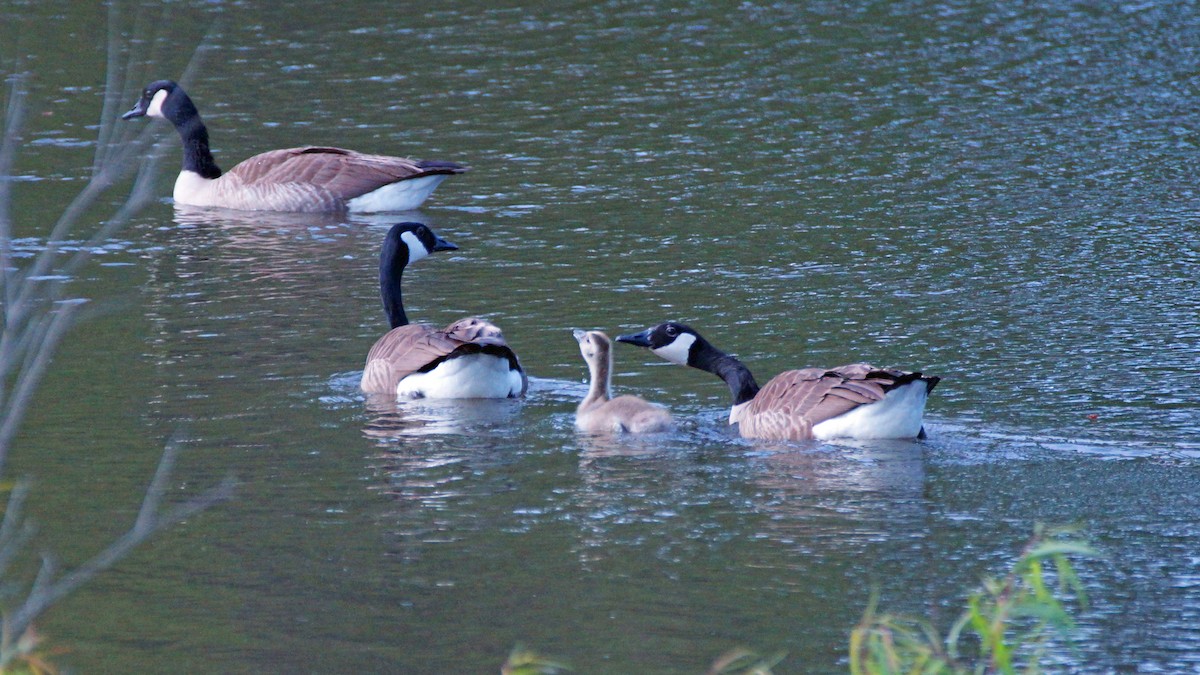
[{"x": 1007, "y": 625}]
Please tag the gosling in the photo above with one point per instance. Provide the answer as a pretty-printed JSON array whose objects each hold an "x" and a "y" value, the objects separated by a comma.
[{"x": 599, "y": 412}]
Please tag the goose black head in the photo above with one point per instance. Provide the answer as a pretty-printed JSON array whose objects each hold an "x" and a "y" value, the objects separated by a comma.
[
  {"x": 405, "y": 243},
  {"x": 672, "y": 341},
  {"x": 414, "y": 241},
  {"x": 156, "y": 100}
]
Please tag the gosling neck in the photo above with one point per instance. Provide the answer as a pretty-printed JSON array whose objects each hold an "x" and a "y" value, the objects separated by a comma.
[{"x": 600, "y": 369}]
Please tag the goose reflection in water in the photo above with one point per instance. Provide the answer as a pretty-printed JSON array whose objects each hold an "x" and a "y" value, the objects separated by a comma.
[
  {"x": 390, "y": 419},
  {"x": 802, "y": 495},
  {"x": 278, "y": 245},
  {"x": 262, "y": 226}
]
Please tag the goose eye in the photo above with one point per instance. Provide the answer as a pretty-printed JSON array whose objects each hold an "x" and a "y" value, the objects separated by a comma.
[{"x": 671, "y": 331}]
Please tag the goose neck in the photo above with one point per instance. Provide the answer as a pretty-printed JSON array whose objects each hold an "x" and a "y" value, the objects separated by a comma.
[
  {"x": 389, "y": 290},
  {"x": 197, "y": 156},
  {"x": 735, "y": 373}
]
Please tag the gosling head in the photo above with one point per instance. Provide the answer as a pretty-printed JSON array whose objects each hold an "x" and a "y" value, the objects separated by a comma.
[{"x": 593, "y": 344}]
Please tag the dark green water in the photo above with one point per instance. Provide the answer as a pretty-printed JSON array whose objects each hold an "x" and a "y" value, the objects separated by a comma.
[{"x": 999, "y": 195}]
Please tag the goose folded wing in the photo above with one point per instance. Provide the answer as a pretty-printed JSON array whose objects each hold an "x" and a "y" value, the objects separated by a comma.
[
  {"x": 344, "y": 173},
  {"x": 403, "y": 351},
  {"x": 794, "y": 402}
]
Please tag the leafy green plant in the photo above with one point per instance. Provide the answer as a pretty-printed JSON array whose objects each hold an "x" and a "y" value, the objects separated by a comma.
[
  {"x": 745, "y": 662},
  {"x": 1006, "y": 627},
  {"x": 522, "y": 661}
]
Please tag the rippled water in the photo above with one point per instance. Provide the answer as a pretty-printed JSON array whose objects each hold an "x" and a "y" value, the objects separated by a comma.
[{"x": 999, "y": 195}]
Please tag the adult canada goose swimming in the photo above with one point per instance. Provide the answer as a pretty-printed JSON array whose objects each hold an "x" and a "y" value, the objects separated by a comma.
[
  {"x": 600, "y": 412},
  {"x": 467, "y": 359},
  {"x": 854, "y": 401},
  {"x": 307, "y": 179}
]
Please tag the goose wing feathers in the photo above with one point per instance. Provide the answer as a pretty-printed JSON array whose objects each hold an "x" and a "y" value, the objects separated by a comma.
[
  {"x": 344, "y": 174},
  {"x": 413, "y": 348},
  {"x": 795, "y": 401}
]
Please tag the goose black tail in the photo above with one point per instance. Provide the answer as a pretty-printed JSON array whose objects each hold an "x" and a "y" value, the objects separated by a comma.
[{"x": 433, "y": 166}]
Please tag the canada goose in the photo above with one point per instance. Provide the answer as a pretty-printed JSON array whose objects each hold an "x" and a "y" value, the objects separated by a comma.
[
  {"x": 600, "y": 412},
  {"x": 467, "y": 359},
  {"x": 854, "y": 401},
  {"x": 306, "y": 179}
]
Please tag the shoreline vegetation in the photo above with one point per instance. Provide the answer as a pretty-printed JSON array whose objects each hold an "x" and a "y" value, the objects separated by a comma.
[{"x": 1008, "y": 626}]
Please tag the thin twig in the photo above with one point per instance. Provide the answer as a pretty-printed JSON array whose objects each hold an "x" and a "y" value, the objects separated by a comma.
[
  {"x": 118, "y": 164},
  {"x": 15, "y": 532},
  {"x": 14, "y": 118},
  {"x": 35, "y": 319},
  {"x": 150, "y": 520},
  {"x": 28, "y": 291},
  {"x": 112, "y": 90},
  {"x": 31, "y": 375}
]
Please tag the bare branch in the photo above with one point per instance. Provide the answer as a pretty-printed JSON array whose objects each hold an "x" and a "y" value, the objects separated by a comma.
[
  {"x": 14, "y": 531},
  {"x": 25, "y": 293},
  {"x": 150, "y": 520},
  {"x": 117, "y": 164},
  {"x": 112, "y": 90},
  {"x": 14, "y": 118},
  {"x": 31, "y": 375},
  {"x": 36, "y": 318}
]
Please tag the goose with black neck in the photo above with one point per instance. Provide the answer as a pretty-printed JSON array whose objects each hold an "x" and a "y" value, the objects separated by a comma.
[
  {"x": 311, "y": 179},
  {"x": 855, "y": 401},
  {"x": 467, "y": 359}
]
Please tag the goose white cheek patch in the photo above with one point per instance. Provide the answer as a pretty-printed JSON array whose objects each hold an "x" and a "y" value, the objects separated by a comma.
[
  {"x": 677, "y": 351},
  {"x": 155, "y": 108},
  {"x": 416, "y": 250}
]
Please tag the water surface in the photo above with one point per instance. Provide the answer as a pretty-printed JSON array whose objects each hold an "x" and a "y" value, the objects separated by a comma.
[{"x": 999, "y": 195}]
